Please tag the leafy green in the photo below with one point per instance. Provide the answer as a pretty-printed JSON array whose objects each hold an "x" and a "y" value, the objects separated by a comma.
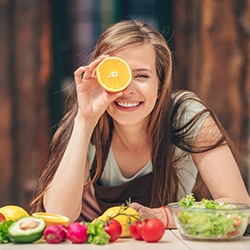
[
  {"x": 188, "y": 201},
  {"x": 203, "y": 221},
  {"x": 97, "y": 234},
  {"x": 4, "y": 226}
]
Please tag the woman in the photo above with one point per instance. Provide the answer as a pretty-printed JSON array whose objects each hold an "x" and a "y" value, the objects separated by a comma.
[{"x": 147, "y": 144}]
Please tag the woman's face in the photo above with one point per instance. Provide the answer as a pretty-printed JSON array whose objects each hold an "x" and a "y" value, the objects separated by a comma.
[{"x": 139, "y": 98}]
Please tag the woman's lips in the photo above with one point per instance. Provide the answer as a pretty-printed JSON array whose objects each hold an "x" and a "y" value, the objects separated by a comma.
[{"x": 127, "y": 105}]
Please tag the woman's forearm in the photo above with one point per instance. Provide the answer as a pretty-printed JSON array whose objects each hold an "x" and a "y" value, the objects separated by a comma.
[{"x": 64, "y": 195}]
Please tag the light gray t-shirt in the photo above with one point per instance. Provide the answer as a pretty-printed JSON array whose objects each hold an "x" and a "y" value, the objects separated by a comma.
[{"x": 186, "y": 169}]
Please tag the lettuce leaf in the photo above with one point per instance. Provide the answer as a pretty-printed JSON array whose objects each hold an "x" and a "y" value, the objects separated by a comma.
[
  {"x": 4, "y": 226},
  {"x": 97, "y": 234}
]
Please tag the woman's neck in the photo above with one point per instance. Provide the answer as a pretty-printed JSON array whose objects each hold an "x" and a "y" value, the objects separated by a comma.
[{"x": 130, "y": 137}]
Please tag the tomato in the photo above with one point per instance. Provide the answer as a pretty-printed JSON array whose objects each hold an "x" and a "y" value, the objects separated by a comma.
[
  {"x": 114, "y": 229},
  {"x": 153, "y": 230},
  {"x": 123, "y": 214},
  {"x": 135, "y": 230},
  {"x": 2, "y": 217}
]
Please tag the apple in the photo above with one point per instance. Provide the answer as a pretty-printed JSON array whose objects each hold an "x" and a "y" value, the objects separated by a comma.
[{"x": 2, "y": 217}]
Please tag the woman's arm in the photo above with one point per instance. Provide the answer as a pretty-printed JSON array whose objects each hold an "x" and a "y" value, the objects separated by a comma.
[
  {"x": 64, "y": 195},
  {"x": 218, "y": 168},
  {"x": 65, "y": 191}
]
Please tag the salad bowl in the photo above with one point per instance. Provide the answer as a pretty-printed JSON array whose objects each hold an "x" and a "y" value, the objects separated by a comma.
[{"x": 211, "y": 221}]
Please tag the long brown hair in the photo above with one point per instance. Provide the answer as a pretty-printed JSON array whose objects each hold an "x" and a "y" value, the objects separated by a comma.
[{"x": 162, "y": 134}]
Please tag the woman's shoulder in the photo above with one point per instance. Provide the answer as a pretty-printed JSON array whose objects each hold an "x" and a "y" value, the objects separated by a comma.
[
  {"x": 184, "y": 95},
  {"x": 188, "y": 110},
  {"x": 188, "y": 101}
]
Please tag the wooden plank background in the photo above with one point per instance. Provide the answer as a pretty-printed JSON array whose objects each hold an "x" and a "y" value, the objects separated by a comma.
[
  {"x": 211, "y": 41},
  {"x": 25, "y": 38}
]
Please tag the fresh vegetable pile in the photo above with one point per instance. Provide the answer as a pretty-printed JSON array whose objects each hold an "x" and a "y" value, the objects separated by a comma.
[
  {"x": 210, "y": 219},
  {"x": 30, "y": 229},
  {"x": 114, "y": 223}
]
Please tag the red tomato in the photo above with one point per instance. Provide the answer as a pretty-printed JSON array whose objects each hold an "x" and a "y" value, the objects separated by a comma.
[
  {"x": 153, "y": 230},
  {"x": 114, "y": 229},
  {"x": 2, "y": 217},
  {"x": 135, "y": 230}
]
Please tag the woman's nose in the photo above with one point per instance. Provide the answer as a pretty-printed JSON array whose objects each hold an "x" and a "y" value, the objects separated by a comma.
[{"x": 130, "y": 90}]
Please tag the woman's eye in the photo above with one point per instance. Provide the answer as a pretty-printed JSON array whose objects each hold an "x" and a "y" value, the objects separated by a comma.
[{"x": 142, "y": 76}]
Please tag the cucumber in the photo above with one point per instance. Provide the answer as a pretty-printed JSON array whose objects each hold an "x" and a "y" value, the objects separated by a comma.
[{"x": 26, "y": 230}]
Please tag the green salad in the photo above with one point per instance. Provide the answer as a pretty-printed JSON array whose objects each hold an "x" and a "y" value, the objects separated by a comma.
[{"x": 207, "y": 219}]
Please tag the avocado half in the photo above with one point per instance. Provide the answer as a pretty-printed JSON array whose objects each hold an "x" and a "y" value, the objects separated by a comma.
[{"x": 26, "y": 230}]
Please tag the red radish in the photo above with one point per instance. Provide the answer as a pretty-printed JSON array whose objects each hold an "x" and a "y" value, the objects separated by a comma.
[
  {"x": 64, "y": 229},
  {"x": 77, "y": 232},
  {"x": 54, "y": 233}
]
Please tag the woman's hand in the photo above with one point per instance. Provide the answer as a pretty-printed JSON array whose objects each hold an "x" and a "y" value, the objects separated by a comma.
[
  {"x": 93, "y": 100},
  {"x": 159, "y": 213}
]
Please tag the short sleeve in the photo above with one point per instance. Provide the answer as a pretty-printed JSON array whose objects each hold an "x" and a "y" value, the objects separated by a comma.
[
  {"x": 91, "y": 154},
  {"x": 190, "y": 114}
]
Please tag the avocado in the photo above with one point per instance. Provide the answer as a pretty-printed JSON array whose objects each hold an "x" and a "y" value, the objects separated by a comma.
[{"x": 26, "y": 230}]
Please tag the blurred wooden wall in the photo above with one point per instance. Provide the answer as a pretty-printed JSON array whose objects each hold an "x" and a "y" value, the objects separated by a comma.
[
  {"x": 212, "y": 45},
  {"x": 25, "y": 67},
  {"x": 211, "y": 41}
]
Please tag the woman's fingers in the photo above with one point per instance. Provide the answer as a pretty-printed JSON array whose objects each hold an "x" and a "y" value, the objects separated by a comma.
[
  {"x": 79, "y": 73},
  {"x": 86, "y": 72}
]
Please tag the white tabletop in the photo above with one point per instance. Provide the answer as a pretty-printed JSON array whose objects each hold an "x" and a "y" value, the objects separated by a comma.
[{"x": 171, "y": 240}]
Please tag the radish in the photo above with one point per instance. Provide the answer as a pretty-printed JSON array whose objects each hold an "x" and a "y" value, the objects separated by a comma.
[
  {"x": 54, "y": 233},
  {"x": 77, "y": 232}
]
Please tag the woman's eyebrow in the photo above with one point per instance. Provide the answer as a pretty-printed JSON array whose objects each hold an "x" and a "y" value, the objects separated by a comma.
[{"x": 142, "y": 69}]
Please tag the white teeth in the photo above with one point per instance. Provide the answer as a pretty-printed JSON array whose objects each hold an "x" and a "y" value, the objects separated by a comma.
[{"x": 127, "y": 105}]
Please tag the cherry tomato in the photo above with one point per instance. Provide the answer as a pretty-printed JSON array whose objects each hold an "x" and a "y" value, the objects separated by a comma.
[
  {"x": 114, "y": 229},
  {"x": 153, "y": 230},
  {"x": 135, "y": 230},
  {"x": 2, "y": 217}
]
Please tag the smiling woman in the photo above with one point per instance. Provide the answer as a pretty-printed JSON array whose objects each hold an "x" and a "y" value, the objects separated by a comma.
[{"x": 148, "y": 143}]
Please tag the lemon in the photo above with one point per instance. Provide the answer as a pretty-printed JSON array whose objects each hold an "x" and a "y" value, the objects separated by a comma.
[
  {"x": 125, "y": 215},
  {"x": 13, "y": 212}
]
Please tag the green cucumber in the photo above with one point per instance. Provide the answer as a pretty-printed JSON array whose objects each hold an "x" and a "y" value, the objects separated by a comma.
[{"x": 26, "y": 230}]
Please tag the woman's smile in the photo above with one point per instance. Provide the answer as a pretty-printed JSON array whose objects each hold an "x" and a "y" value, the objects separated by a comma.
[{"x": 127, "y": 105}]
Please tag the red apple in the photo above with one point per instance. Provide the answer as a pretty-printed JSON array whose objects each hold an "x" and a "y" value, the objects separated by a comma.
[{"x": 2, "y": 217}]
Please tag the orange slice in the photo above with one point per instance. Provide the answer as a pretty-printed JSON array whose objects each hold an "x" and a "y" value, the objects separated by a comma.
[{"x": 113, "y": 74}]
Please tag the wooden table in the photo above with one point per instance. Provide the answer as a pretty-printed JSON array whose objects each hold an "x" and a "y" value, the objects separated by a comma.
[{"x": 171, "y": 240}]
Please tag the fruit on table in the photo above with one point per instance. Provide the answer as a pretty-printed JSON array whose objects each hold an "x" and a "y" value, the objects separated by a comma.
[
  {"x": 135, "y": 229},
  {"x": 13, "y": 212},
  {"x": 52, "y": 219},
  {"x": 77, "y": 232},
  {"x": 113, "y": 74},
  {"x": 2, "y": 217},
  {"x": 123, "y": 214},
  {"x": 55, "y": 233},
  {"x": 27, "y": 230},
  {"x": 152, "y": 230},
  {"x": 113, "y": 228}
]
